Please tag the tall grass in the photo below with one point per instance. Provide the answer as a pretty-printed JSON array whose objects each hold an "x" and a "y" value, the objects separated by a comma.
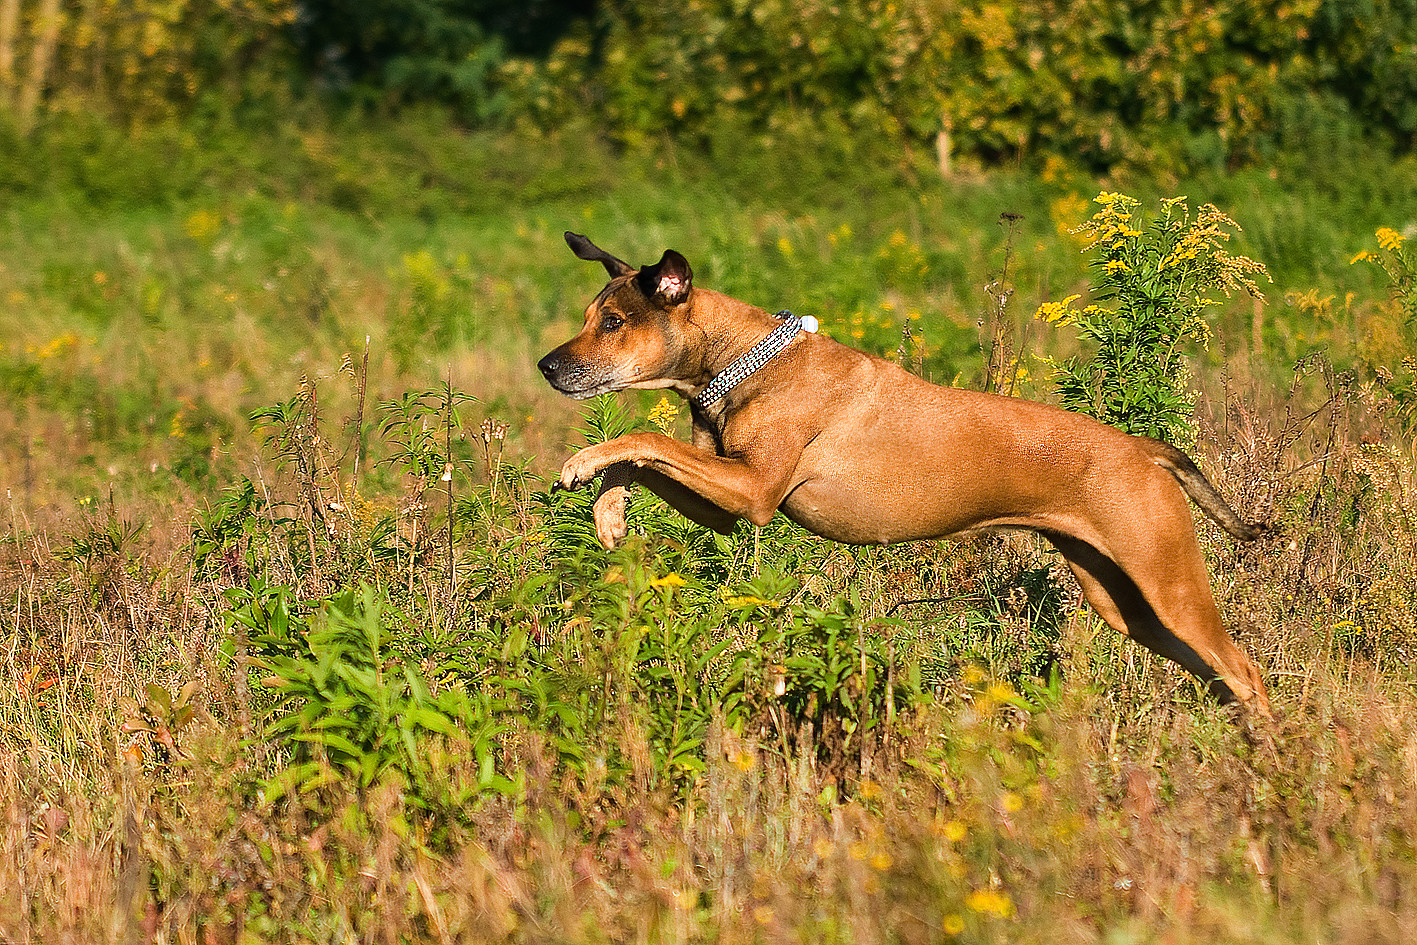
[
  {"x": 267, "y": 674},
  {"x": 1033, "y": 775}
]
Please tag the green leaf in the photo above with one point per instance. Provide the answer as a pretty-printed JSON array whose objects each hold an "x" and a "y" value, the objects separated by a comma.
[
  {"x": 433, "y": 721},
  {"x": 331, "y": 741},
  {"x": 159, "y": 698}
]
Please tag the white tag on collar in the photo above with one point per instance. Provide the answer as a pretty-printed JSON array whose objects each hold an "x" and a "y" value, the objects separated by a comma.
[{"x": 809, "y": 323}]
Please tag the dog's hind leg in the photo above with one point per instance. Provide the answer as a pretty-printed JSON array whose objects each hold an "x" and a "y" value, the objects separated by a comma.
[{"x": 1173, "y": 615}]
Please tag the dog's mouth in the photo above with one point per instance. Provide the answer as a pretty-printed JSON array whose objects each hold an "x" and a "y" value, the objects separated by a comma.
[
  {"x": 574, "y": 379},
  {"x": 584, "y": 393}
]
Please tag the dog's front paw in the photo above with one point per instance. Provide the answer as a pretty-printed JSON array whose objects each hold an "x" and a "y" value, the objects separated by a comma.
[
  {"x": 609, "y": 508},
  {"x": 580, "y": 469}
]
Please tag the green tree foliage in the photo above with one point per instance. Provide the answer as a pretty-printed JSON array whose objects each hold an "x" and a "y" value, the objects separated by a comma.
[
  {"x": 1100, "y": 82},
  {"x": 412, "y": 49},
  {"x": 1167, "y": 84},
  {"x": 135, "y": 60}
]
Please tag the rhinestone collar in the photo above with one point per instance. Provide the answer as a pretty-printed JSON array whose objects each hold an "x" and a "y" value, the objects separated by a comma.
[{"x": 760, "y": 354}]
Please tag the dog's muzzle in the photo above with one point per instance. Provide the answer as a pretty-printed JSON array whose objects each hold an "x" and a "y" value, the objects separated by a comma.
[{"x": 569, "y": 376}]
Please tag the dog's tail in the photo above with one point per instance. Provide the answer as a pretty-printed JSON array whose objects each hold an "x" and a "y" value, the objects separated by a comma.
[{"x": 1199, "y": 488}]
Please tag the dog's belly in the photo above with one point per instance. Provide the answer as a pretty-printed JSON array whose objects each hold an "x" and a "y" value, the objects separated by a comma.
[
  {"x": 886, "y": 509},
  {"x": 905, "y": 489},
  {"x": 908, "y": 460}
]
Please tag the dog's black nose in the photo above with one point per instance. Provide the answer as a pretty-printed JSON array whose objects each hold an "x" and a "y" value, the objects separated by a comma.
[{"x": 549, "y": 365}]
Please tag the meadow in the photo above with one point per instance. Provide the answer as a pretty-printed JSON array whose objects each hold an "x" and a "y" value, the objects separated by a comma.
[{"x": 299, "y": 647}]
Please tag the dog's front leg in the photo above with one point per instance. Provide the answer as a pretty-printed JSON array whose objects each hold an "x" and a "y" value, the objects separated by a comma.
[
  {"x": 609, "y": 508},
  {"x": 708, "y": 488}
]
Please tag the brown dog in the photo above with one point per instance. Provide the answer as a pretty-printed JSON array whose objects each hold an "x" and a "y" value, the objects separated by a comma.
[{"x": 856, "y": 449}]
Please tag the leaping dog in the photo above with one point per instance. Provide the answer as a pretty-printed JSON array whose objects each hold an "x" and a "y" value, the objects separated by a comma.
[{"x": 858, "y": 450}]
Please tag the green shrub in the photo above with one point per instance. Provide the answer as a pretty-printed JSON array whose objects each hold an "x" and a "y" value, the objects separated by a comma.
[
  {"x": 1397, "y": 261},
  {"x": 827, "y": 680},
  {"x": 1152, "y": 284},
  {"x": 349, "y": 704}
]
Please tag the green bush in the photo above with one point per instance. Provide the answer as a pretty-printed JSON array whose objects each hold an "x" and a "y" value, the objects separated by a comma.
[
  {"x": 348, "y": 704},
  {"x": 1162, "y": 86},
  {"x": 827, "y": 679},
  {"x": 1153, "y": 283},
  {"x": 1396, "y": 259}
]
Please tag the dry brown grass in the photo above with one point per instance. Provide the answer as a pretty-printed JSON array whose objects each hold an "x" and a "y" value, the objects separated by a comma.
[{"x": 1120, "y": 806}]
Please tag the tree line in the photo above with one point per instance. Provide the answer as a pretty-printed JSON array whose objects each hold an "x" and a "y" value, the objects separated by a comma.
[{"x": 1094, "y": 82}]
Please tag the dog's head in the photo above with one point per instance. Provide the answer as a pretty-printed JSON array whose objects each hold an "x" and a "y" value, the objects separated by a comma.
[{"x": 633, "y": 331}]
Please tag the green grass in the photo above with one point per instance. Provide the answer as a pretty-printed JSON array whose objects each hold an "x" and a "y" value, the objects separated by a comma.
[
  {"x": 190, "y": 311},
  {"x": 250, "y": 692}
]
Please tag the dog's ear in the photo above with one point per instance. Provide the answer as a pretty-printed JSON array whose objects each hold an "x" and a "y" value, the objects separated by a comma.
[
  {"x": 667, "y": 281},
  {"x": 585, "y": 249}
]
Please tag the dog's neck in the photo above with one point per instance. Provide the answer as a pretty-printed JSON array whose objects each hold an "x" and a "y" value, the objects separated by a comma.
[{"x": 731, "y": 328}]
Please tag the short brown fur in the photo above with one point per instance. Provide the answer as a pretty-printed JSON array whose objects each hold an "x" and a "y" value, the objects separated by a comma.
[{"x": 856, "y": 449}]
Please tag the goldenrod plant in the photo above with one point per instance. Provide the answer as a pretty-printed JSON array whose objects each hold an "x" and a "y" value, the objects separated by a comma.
[{"x": 1153, "y": 282}]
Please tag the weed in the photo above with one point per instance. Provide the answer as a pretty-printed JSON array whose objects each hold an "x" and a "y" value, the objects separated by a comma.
[
  {"x": 1397, "y": 261},
  {"x": 1003, "y": 363},
  {"x": 1160, "y": 279},
  {"x": 823, "y": 678},
  {"x": 351, "y": 707}
]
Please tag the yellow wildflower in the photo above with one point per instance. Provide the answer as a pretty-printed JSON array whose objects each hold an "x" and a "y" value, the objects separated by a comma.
[
  {"x": 747, "y": 600},
  {"x": 60, "y": 345},
  {"x": 201, "y": 225},
  {"x": 991, "y": 901},
  {"x": 1057, "y": 313},
  {"x": 1389, "y": 239},
  {"x": 1000, "y": 691},
  {"x": 663, "y": 415}
]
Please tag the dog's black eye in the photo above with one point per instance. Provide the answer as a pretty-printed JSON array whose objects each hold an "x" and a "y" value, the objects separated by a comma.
[{"x": 611, "y": 322}]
